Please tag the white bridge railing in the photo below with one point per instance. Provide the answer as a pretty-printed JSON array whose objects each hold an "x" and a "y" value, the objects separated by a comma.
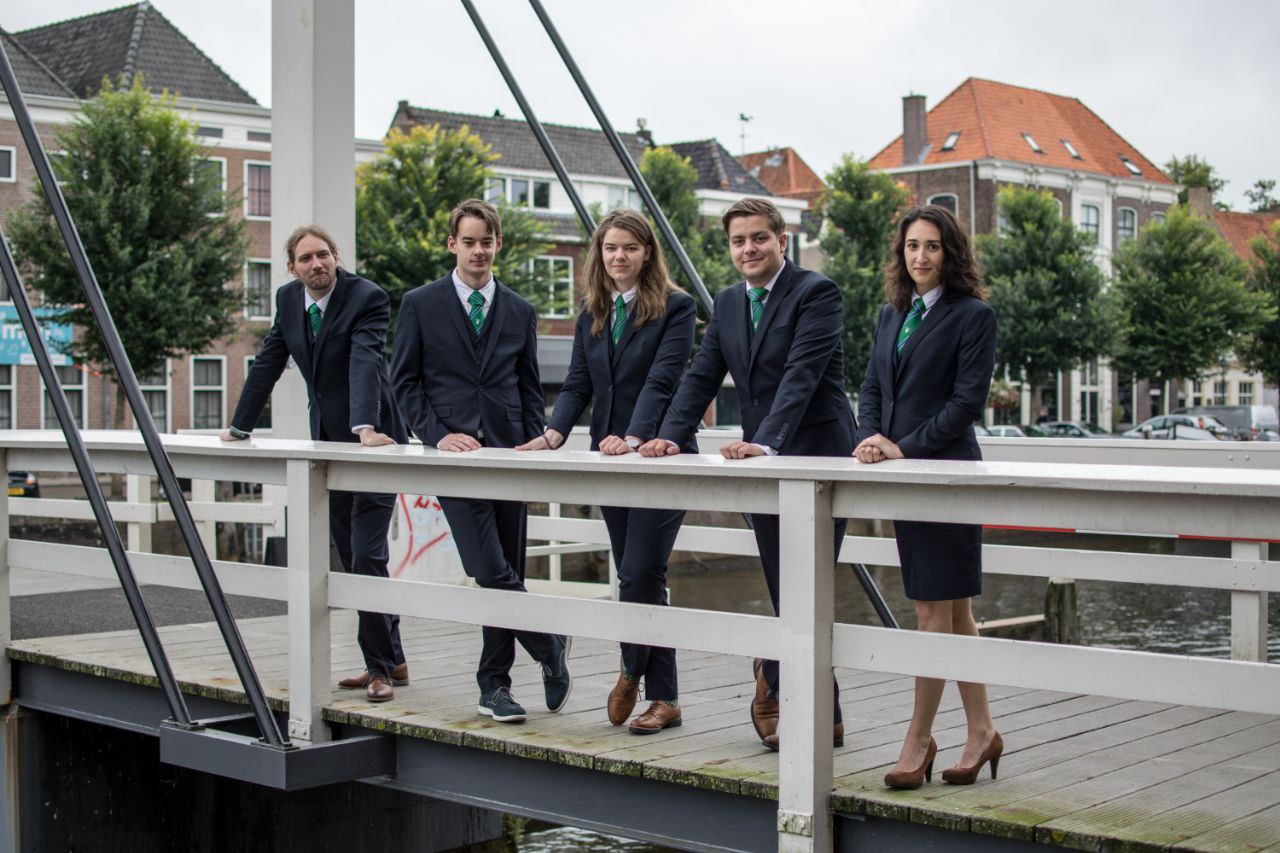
[{"x": 1228, "y": 491}]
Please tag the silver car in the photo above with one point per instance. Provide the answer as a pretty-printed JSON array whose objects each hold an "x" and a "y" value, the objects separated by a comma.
[{"x": 1188, "y": 427}]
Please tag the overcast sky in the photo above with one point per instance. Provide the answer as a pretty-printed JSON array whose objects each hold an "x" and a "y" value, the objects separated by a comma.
[{"x": 823, "y": 76}]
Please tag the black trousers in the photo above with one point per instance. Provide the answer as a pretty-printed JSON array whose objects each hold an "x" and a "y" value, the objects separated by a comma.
[
  {"x": 642, "y": 540},
  {"x": 766, "y": 530},
  {"x": 358, "y": 523},
  {"x": 490, "y": 536}
]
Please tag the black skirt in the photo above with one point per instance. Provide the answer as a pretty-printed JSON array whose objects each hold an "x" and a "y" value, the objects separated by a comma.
[{"x": 939, "y": 561}]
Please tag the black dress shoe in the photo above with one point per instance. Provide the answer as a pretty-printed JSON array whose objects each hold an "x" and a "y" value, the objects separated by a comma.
[{"x": 557, "y": 681}]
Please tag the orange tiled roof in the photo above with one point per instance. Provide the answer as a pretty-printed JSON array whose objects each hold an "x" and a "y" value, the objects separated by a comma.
[
  {"x": 1241, "y": 228},
  {"x": 784, "y": 172},
  {"x": 991, "y": 118}
]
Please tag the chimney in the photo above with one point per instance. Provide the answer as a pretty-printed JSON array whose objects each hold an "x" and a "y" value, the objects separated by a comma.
[
  {"x": 915, "y": 129},
  {"x": 1200, "y": 201}
]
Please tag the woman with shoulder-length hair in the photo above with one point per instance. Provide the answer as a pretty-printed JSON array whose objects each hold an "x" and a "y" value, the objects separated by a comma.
[
  {"x": 927, "y": 381},
  {"x": 632, "y": 339}
]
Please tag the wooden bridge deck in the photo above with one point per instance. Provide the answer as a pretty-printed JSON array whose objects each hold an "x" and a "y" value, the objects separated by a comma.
[{"x": 1081, "y": 771}]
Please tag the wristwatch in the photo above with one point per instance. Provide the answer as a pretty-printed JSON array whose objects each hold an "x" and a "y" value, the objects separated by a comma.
[{"x": 633, "y": 443}]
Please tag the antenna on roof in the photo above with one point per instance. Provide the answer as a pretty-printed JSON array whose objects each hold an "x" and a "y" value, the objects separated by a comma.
[{"x": 743, "y": 118}]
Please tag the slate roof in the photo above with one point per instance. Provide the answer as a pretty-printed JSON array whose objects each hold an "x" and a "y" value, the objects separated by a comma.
[
  {"x": 583, "y": 150},
  {"x": 991, "y": 118},
  {"x": 33, "y": 77},
  {"x": 1241, "y": 228},
  {"x": 125, "y": 41},
  {"x": 784, "y": 173},
  {"x": 717, "y": 168}
]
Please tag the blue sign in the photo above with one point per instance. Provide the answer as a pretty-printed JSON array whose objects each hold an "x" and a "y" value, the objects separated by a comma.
[{"x": 14, "y": 348}]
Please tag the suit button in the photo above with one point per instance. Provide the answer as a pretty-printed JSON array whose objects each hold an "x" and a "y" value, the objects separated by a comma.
[
  {"x": 755, "y": 403},
  {"x": 319, "y": 395}
]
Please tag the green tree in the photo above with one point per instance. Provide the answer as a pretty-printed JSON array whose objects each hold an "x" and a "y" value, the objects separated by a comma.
[
  {"x": 1046, "y": 289},
  {"x": 1185, "y": 300},
  {"x": 673, "y": 180},
  {"x": 860, "y": 208},
  {"x": 1262, "y": 352},
  {"x": 403, "y": 200},
  {"x": 1194, "y": 171},
  {"x": 1262, "y": 195},
  {"x": 155, "y": 224}
]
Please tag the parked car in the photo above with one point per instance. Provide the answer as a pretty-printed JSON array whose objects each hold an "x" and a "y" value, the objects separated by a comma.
[
  {"x": 1006, "y": 431},
  {"x": 1250, "y": 423},
  {"x": 979, "y": 429},
  {"x": 1072, "y": 429},
  {"x": 1191, "y": 427},
  {"x": 23, "y": 484}
]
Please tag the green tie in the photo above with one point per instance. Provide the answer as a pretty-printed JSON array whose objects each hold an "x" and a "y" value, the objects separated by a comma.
[
  {"x": 316, "y": 318},
  {"x": 476, "y": 316},
  {"x": 909, "y": 325},
  {"x": 619, "y": 317},
  {"x": 757, "y": 296}
]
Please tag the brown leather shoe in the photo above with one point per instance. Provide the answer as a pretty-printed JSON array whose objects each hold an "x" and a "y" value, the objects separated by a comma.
[
  {"x": 909, "y": 780},
  {"x": 622, "y": 698},
  {"x": 661, "y": 715},
  {"x": 961, "y": 775},
  {"x": 764, "y": 705},
  {"x": 379, "y": 690},
  {"x": 837, "y": 738},
  {"x": 399, "y": 677}
]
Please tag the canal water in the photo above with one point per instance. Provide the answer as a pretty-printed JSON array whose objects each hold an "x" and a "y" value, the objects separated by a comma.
[{"x": 1167, "y": 619}]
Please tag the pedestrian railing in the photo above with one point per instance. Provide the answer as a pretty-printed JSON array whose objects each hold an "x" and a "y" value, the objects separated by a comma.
[{"x": 1228, "y": 498}]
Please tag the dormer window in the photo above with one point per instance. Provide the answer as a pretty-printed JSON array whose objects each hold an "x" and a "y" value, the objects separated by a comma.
[
  {"x": 1031, "y": 140},
  {"x": 1128, "y": 164},
  {"x": 1071, "y": 149},
  {"x": 952, "y": 139}
]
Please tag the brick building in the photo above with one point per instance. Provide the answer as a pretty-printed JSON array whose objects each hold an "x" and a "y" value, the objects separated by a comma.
[{"x": 986, "y": 134}]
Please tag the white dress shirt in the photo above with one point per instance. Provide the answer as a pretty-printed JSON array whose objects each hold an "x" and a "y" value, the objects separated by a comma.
[{"x": 465, "y": 290}]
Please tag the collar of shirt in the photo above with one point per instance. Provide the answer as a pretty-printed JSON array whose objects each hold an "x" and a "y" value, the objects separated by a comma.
[
  {"x": 769, "y": 287},
  {"x": 626, "y": 297},
  {"x": 465, "y": 290},
  {"x": 323, "y": 301},
  {"x": 931, "y": 298}
]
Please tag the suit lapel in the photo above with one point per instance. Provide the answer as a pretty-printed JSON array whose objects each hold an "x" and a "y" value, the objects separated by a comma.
[
  {"x": 776, "y": 295},
  {"x": 740, "y": 322},
  {"x": 297, "y": 335},
  {"x": 497, "y": 314},
  {"x": 885, "y": 354},
  {"x": 458, "y": 316},
  {"x": 336, "y": 299},
  {"x": 930, "y": 322}
]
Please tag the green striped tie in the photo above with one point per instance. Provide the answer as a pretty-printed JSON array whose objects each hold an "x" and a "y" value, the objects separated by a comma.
[
  {"x": 757, "y": 296},
  {"x": 909, "y": 325},
  {"x": 316, "y": 318},
  {"x": 477, "y": 315},
  {"x": 619, "y": 317}
]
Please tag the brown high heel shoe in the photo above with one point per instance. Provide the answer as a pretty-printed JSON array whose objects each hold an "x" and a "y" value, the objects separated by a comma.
[
  {"x": 909, "y": 780},
  {"x": 967, "y": 775}
]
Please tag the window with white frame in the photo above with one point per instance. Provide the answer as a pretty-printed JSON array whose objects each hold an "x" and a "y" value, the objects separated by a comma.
[
  {"x": 208, "y": 391},
  {"x": 1031, "y": 142},
  {"x": 218, "y": 166},
  {"x": 264, "y": 419},
  {"x": 555, "y": 272},
  {"x": 257, "y": 290},
  {"x": 155, "y": 392},
  {"x": 1157, "y": 217},
  {"x": 1221, "y": 392},
  {"x": 1090, "y": 220},
  {"x": 1197, "y": 393},
  {"x": 71, "y": 378},
  {"x": 950, "y": 143},
  {"x": 947, "y": 200},
  {"x": 8, "y": 163},
  {"x": 526, "y": 192},
  {"x": 1126, "y": 224},
  {"x": 257, "y": 190},
  {"x": 6, "y": 396},
  {"x": 620, "y": 197},
  {"x": 496, "y": 191},
  {"x": 1071, "y": 149},
  {"x": 1244, "y": 393}
]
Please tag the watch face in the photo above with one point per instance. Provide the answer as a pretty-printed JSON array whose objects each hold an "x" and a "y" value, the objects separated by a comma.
[{"x": 633, "y": 443}]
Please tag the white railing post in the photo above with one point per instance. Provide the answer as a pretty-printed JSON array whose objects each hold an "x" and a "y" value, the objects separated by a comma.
[
  {"x": 6, "y": 622},
  {"x": 205, "y": 491},
  {"x": 137, "y": 490},
  {"x": 553, "y": 571},
  {"x": 275, "y": 497},
  {"x": 806, "y": 598},
  {"x": 1249, "y": 610},
  {"x": 308, "y": 588}
]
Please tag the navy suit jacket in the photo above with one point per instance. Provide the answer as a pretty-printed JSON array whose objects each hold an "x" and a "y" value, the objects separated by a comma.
[
  {"x": 446, "y": 381},
  {"x": 345, "y": 367},
  {"x": 789, "y": 374},
  {"x": 926, "y": 399},
  {"x": 633, "y": 384}
]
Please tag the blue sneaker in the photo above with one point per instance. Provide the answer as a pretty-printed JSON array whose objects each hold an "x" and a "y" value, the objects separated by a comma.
[
  {"x": 501, "y": 705},
  {"x": 557, "y": 681}
]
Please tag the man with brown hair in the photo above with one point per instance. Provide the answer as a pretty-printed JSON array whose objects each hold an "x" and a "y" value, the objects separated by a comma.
[
  {"x": 778, "y": 333},
  {"x": 465, "y": 368},
  {"x": 334, "y": 325}
]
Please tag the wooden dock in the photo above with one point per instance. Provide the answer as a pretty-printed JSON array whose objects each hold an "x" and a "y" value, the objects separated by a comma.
[{"x": 1079, "y": 771}]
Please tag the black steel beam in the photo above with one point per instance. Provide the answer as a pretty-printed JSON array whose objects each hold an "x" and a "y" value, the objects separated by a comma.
[{"x": 141, "y": 414}]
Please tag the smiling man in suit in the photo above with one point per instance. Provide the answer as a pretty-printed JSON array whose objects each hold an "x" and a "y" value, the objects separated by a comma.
[
  {"x": 778, "y": 333},
  {"x": 334, "y": 325},
  {"x": 465, "y": 368}
]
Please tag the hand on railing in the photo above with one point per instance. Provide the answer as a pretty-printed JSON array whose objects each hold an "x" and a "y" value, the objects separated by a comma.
[
  {"x": 742, "y": 450},
  {"x": 658, "y": 447},
  {"x": 611, "y": 445},
  {"x": 228, "y": 435},
  {"x": 549, "y": 440},
  {"x": 457, "y": 442},
  {"x": 370, "y": 437},
  {"x": 876, "y": 448}
]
